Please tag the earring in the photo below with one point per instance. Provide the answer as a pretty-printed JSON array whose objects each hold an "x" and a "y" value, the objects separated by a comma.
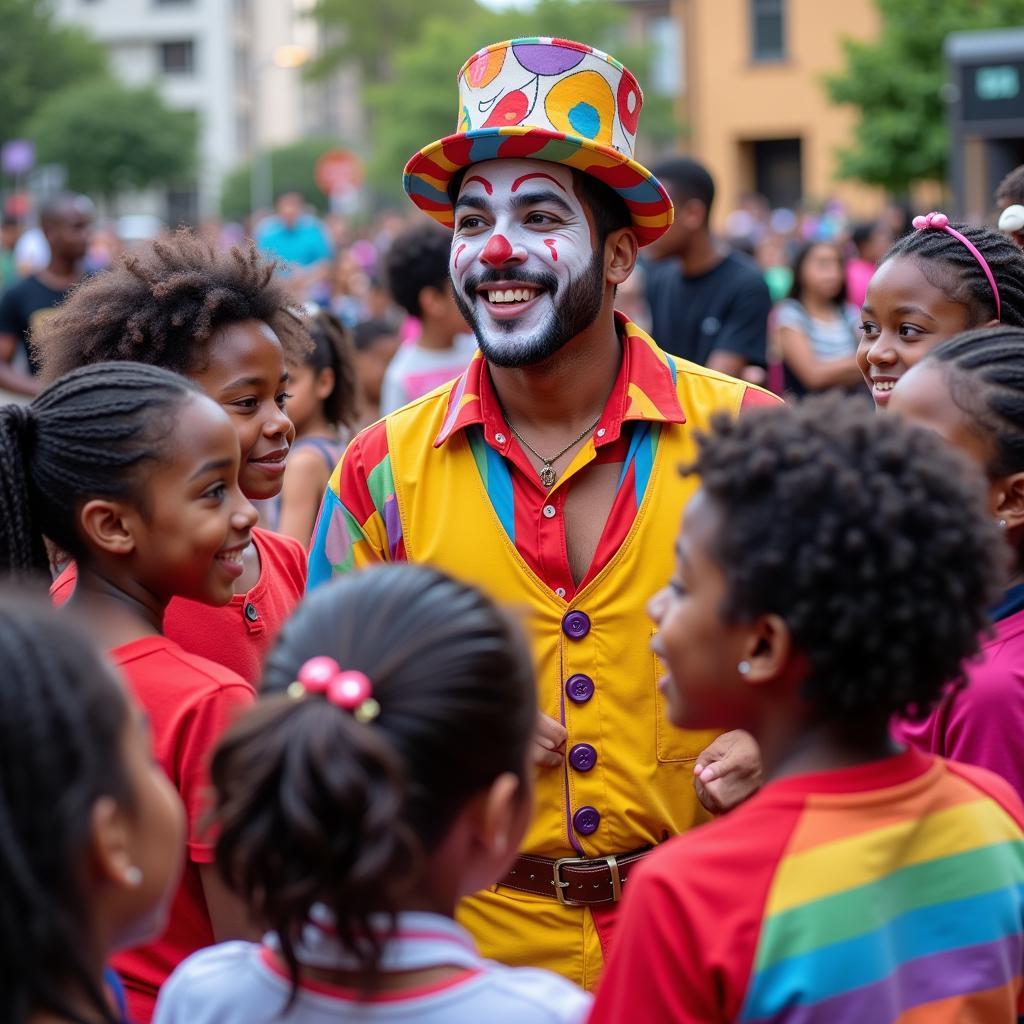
[
  {"x": 1002, "y": 524},
  {"x": 133, "y": 876},
  {"x": 743, "y": 668}
]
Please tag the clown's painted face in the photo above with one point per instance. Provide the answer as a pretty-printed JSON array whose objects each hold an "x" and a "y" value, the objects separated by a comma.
[{"x": 526, "y": 274}]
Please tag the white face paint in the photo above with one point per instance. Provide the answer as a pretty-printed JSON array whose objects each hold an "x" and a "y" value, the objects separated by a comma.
[{"x": 522, "y": 238}]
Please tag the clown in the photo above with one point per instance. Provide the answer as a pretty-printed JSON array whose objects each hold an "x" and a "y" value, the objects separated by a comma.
[{"x": 547, "y": 475}]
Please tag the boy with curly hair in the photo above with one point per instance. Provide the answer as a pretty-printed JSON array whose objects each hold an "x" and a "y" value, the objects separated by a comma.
[
  {"x": 834, "y": 569},
  {"x": 223, "y": 320}
]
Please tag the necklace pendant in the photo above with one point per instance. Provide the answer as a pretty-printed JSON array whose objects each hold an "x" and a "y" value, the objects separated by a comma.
[{"x": 547, "y": 475}]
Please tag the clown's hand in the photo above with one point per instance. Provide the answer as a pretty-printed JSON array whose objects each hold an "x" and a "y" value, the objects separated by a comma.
[{"x": 728, "y": 771}]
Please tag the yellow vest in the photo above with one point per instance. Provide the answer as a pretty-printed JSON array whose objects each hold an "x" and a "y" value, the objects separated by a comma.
[{"x": 641, "y": 784}]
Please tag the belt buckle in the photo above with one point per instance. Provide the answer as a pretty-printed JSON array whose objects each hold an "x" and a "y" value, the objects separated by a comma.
[
  {"x": 567, "y": 901},
  {"x": 559, "y": 885}
]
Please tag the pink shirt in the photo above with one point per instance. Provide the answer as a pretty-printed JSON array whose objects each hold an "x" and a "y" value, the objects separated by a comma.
[{"x": 983, "y": 722}]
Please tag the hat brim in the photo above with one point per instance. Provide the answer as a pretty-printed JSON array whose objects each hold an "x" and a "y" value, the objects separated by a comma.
[{"x": 429, "y": 172}]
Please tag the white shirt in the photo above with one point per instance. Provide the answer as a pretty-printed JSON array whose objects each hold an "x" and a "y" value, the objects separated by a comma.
[{"x": 247, "y": 983}]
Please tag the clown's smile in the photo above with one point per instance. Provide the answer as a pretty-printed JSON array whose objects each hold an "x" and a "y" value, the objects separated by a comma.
[{"x": 508, "y": 299}]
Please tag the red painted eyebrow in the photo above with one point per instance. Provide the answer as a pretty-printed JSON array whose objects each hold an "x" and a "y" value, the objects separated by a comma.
[
  {"x": 488, "y": 187},
  {"x": 536, "y": 174}
]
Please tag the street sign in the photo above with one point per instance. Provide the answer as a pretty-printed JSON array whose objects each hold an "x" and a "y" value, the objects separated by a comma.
[
  {"x": 17, "y": 157},
  {"x": 338, "y": 172}
]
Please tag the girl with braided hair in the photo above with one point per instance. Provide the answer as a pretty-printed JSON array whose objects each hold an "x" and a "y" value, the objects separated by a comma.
[
  {"x": 91, "y": 831},
  {"x": 970, "y": 390},
  {"x": 133, "y": 472},
  {"x": 938, "y": 281},
  {"x": 225, "y": 322}
]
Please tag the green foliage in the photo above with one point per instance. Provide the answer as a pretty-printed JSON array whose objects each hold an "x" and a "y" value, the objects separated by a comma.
[
  {"x": 37, "y": 59},
  {"x": 367, "y": 32},
  {"x": 902, "y": 136},
  {"x": 420, "y": 102},
  {"x": 111, "y": 137},
  {"x": 291, "y": 169}
]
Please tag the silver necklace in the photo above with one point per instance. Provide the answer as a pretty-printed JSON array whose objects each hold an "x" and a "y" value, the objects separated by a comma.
[{"x": 547, "y": 474}]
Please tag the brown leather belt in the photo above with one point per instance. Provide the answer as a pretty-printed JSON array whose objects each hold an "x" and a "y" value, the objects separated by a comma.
[{"x": 574, "y": 881}]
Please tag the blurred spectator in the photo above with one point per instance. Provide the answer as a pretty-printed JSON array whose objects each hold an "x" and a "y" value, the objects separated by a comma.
[
  {"x": 1010, "y": 204},
  {"x": 66, "y": 221},
  {"x": 376, "y": 342},
  {"x": 31, "y": 252},
  {"x": 299, "y": 241},
  {"x": 708, "y": 305},
  {"x": 10, "y": 232},
  {"x": 871, "y": 240},
  {"x": 322, "y": 407},
  {"x": 816, "y": 328},
  {"x": 771, "y": 258},
  {"x": 348, "y": 287},
  {"x": 105, "y": 249},
  {"x": 417, "y": 274}
]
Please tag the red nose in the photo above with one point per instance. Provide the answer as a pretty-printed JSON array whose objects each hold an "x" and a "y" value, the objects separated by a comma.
[{"x": 497, "y": 251}]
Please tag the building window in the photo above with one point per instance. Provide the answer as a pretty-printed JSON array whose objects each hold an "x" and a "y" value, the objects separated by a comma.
[
  {"x": 767, "y": 30},
  {"x": 177, "y": 58}
]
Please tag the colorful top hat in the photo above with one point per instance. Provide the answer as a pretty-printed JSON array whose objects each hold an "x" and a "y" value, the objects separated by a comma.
[{"x": 545, "y": 99}]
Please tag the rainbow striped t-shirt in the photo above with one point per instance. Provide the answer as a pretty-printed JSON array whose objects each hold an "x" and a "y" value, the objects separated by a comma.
[{"x": 890, "y": 892}]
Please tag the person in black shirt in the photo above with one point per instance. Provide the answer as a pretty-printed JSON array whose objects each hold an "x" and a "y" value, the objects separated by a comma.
[
  {"x": 708, "y": 304},
  {"x": 66, "y": 221}
]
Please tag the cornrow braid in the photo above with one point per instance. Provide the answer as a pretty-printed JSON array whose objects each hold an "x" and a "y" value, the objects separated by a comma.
[
  {"x": 84, "y": 436},
  {"x": 949, "y": 265},
  {"x": 985, "y": 373},
  {"x": 61, "y": 720},
  {"x": 163, "y": 305}
]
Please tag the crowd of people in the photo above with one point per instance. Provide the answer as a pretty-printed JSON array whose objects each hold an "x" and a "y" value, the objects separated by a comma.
[{"x": 399, "y": 631}]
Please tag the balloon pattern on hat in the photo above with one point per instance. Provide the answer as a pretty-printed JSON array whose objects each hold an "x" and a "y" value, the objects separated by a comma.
[{"x": 582, "y": 104}]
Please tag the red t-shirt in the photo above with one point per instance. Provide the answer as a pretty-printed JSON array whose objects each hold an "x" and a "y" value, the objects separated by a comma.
[
  {"x": 189, "y": 701},
  {"x": 239, "y": 634},
  {"x": 886, "y": 892}
]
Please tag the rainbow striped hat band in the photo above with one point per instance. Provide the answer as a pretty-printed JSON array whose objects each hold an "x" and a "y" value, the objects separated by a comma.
[{"x": 545, "y": 99}]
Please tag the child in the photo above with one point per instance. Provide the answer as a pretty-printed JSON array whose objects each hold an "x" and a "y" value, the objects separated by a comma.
[
  {"x": 815, "y": 325},
  {"x": 133, "y": 472},
  {"x": 417, "y": 269},
  {"x": 223, "y": 320},
  {"x": 353, "y": 820},
  {"x": 322, "y": 406},
  {"x": 1010, "y": 204},
  {"x": 92, "y": 830},
  {"x": 937, "y": 281},
  {"x": 871, "y": 241},
  {"x": 970, "y": 390},
  {"x": 376, "y": 342},
  {"x": 833, "y": 568}
]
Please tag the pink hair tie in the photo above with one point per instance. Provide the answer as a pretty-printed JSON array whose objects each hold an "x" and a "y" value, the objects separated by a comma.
[
  {"x": 940, "y": 222},
  {"x": 349, "y": 690}
]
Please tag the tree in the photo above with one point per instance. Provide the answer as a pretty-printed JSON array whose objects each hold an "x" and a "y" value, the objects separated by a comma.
[
  {"x": 291, "y": 168},
  {"x": 369, "y": 33},
  {"x": 111, "y": 137},
  {"x": 902, "y": 136},
  {"x": 37, "y": 59},
  {"x": 418, "y": 104}
]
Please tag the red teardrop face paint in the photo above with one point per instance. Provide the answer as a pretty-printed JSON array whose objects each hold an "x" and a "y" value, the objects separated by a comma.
[{"x": 550, "y": 243}]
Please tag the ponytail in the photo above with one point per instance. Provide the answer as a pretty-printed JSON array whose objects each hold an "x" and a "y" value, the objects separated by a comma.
[
  {"x": 336, "y": 791},
  {"x": 315, "y": 806},
  {"x": 84, "y": 436}
]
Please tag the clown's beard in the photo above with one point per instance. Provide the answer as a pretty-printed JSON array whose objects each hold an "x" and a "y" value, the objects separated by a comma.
[{"x": 503, "y": 342}]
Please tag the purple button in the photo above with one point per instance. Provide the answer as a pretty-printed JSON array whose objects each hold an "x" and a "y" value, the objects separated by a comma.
[
  {"x": 579, "y": 688},
  {"x": 576, "y": 625},
  {"x": 586, "y": 820},
  {"x": 583, "y": 757}
]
